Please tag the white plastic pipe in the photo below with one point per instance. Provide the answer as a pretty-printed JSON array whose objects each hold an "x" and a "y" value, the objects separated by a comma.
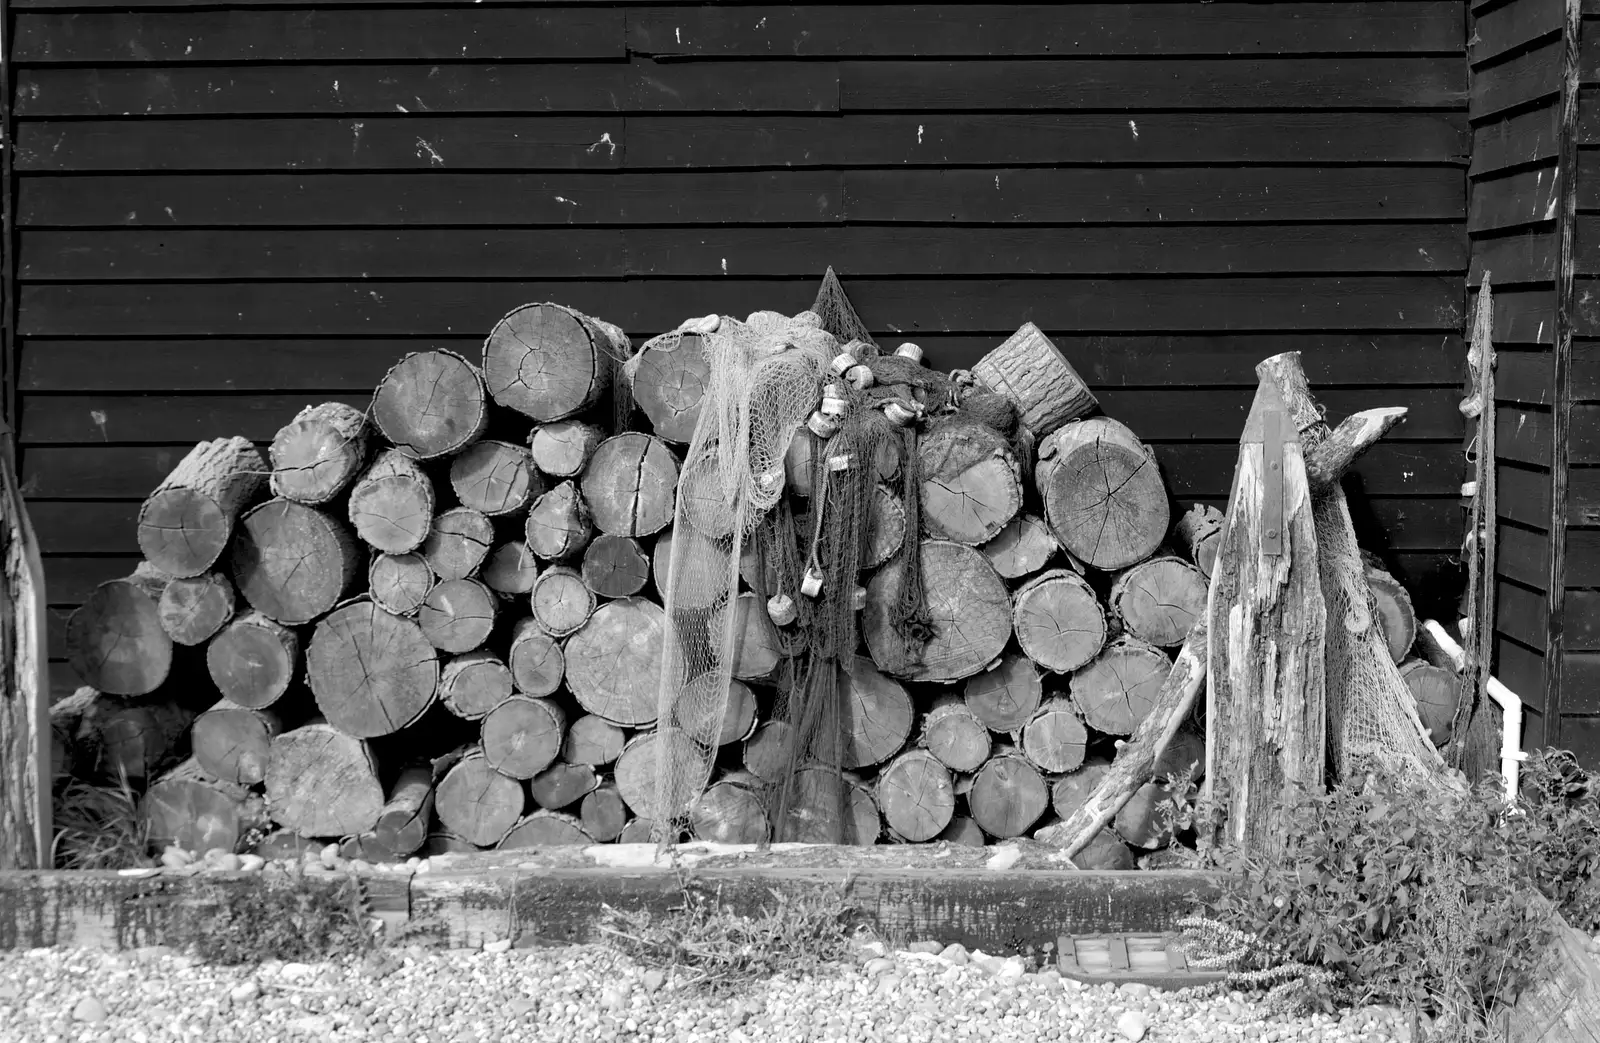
[{"x": 1510, "y": 705}]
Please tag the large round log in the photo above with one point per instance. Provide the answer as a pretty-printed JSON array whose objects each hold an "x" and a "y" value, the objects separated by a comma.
[
  {"x": 1103, "y": 494},
  {"x": 638, "y": 780},
  {"x": 971, "y": 484},
  {"x": 699, "y": 700},
  {"x": 545, "y": 829},
  {"x": 558, "y": 525},
  {"x": 431, "y": 404},
  {"x": 1158, "y": 600},
  {"x": 113, "y": 737},
  {"x": 195, "y": 608},
  {"x": 638, "y": 831},
  {"x": 562, "y": 785},
  {"x": 1438, "y": 694},
  {"x": 603, "y": 813},
  {"x": 471, "y": 685},
  {"x": 768, "y": 752},
  {"x": 234, "y": 743},
  {"x": 829, "y": 806},
  {"x": 372, "y": 672},
  {"x": 614, "y": 661},
  {"x": 964, "y": 831},
  {"x": 916, "y": 796},
  {"x": 592, "y": 740},
  {"x": 561, "y": 601},
  {"x": 798, "y": 462},
  {"x": 1185, "y": 753},
  {"x": 292, "y": 562},
  {"x": 1071, "y": 791},
  {"x": 757, "y": 647},
  {"x": 699, "y": 557},
  {"x": 1199, "y": 533},
  {"x": 1055, "y": 740},
  {"x": 185, "y": 524},
  {"x": 876, "y": 714},
  {"x": 391, "y": 505},
  {"x": 511, "y": 569},
  {"x": 197, "y": 812},
  {"x": 458, "y": 542},
  {"x": 1022, "y": 548},
  {"x": 1141, "y": 822},
  {"x": 1105, "y": 852},
  {"x": 536, "y": 660},
  {"x": 1058, "y": 620},
  {"x": 548, "y": 362},
  {"x": 495, "y": 477},
  {"x": 561, "y": 449},
  {"x": 319, "y": 452},
  {"x": 703, "y": 496},
  {"x": 968, "y": 609},
  {"x": 457, "y": 615},
  {"x": 399, "y": 583},
  {"x": 953, "y": 733},
  {"x": 115, "y": 641},
  {"x": 668, "y": 384},
  {"x": 615, "y": 566},
  {"x": 1031, "y": 371},
  {"x": 1008, "y": 795},
  {"x": 1117, "y": 690},
  {"x": 629, "y": 485},
  {"x": 322, "y": 782},
  {"x": 1399, "y": 619},
  {"x": 252, "y": 662},
  {"x": 1007, "y": 697},
  {"x": 522, "y": 736},
  {"x": 731, "y": 811},
  {"x": 886, "y": 527},
  {"x": 476, "y": 802}
]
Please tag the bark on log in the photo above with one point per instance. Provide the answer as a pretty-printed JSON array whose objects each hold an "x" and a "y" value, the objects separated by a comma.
[
  {"x": 391, "y": 505},
  {"x": 615, "y": 566},
  {"x": 1121, "y": 686},
  {"x": 196, "y": 812},
  {"x": 234, "y": 742},
  {"x": 1399, "y": 619},
  {"x": 699, "y": 698},
  {"x": 1327, "y": 462},
  {"x": 193, "y": 609},
  {"x": 886, "y": 527},
  {"x": 476, "y": 802},
  {"x": 537, "y": 662},
  {"x": 1056, "y": 739},
  {"x": 562, "y": 449},
  {"x": 876, "y": 714},
  {"x": 185, "y": 524},
  {"x": 963, "y": 831},
  {"x": 558, "y": 525},
  {"x": 293, "y": 563},
  {"x": 471, "y": 685},
  {"x": 253, "y": 661},
  {"x": 522, "y": 736},
  {"x": 115, "y": 641},
  {"x": 26, "y": 778},
  {"x": 916, "y": 796},
  {"x": 955, "y": 735},
  {"x": 372, "y": 672},
  {"x": 614, "y": 661},
  {"x": 603, "y": 814},
  {"x": 592, "y": 740},
  {"x": 548, "y": 362},
  {"x": 1159, "y": 600},
  {"x": 458, "y": 542},
  {"x": 829, "y": 806},
  {"x": 967, "y": 605},
  {"x": 731, "y": 811},
  {"x": 669, "y": 383},
  {"x": 1140, "y": 822},
  {"x": 495, "y": 478},
  {"x": 1031, "y": 371},
  {"x": 562, "y": 602},
  {"x": 1071, "y": 792},
  {"x": 322, "y": 783},
  {"x": 629, "y": 485},
  {"x": 562, "y": 785},
  {"x": 1199, "y": 533},
  {"x": 511, "y": 569},
  {"x": 319, "y": 452},
  {"x": 399, "y": 583},
  {"x": 1058, "y": 620},
  {"x": 638, "y": 781},
  {"x": 431, "y": 404},
  {"x": 767, "y": 753},
  {"x": 458, "y": 615},
  {"x": 112, "y": 737},
  {"x": 1008, "y": 795},
  {"x": 545, "y": 829},
  {"x": 1103, "y": 494},
  {"x": 403, "y": 821},
  {"x": 1563, "y": 1004},
  {"x": 1022, "y": 548},
  {"x": 1007, "y": 697},
  {"x": 971, "y": 484},
  {"x": 1438, "y": 694}
]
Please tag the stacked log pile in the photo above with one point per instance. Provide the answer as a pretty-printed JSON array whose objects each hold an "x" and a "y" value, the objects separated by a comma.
[{"x": 438, "y": 623}]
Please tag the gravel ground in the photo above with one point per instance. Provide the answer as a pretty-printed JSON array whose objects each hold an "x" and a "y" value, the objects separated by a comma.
[{"x": 580, "y": 994}]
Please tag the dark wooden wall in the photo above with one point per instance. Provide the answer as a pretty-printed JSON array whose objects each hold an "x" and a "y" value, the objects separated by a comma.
[{"x": 227, "y": 212}]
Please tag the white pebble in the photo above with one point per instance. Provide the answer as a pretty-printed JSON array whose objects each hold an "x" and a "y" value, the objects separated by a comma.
[{"x": 1133, "y": 1025}]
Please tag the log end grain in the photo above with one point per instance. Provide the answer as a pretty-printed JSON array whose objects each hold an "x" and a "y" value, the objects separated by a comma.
[
  {"x": 318, "y": 453},
  {"x": 968, "y": 608},
  {"x": 495, "y": 477},
  {"x": 321, "y": 782},
  {"x": 115, "y": 640},
  {"x": 254, "y": 660},
  {"x": 537, "y": 662},
  {"x": 511, "y": 569},
  {"x": 669, "y": 382},
  {"x": 522, "y": 736},
  {"x": 614, "y": 661},
  {"x": 477, "y": 803},
  {"x": 615, "y": 566},
  {"x": 1022, "y": 548},
  {"x": 399, "y": 583},
  {"x": 1119, "y": 687},
  {"x": 562, "y": 448},
  {"x": 1103, "y": 494},
  {"x": 876, "y": 714},
  {"x": 431, "y": 404},
  {"x": 293, "y": 563},
  {"x": 1006, "y": 697},
  {"x": 197, "y": 812},
  {"x": 391, "y": 505},
  {"x": 1058, "y": 620},
  {"x": 545, "y": 361},
  {"x": 185, "y": 524},
  {"x": 458, "y": 541},
  {"x": 195, "y": 608},
  {"x": 916, "y": 795},
  {"x": 372, "y": 672},
  {"x": 971, "y": 483},
  {"x": 458, "y": 615},
  {"x": 471, "y": 685},
  {"x": 1159, "y": 600},
  {"x": 1394, "y": 611},
  {"x": 630, "y": 484}
]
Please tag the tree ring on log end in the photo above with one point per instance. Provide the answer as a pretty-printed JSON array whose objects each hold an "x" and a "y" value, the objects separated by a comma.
[
  {"x": 967, "y": 605},
  {"x": 614, "y": 661},
  {"x": 372, "y": 672}
]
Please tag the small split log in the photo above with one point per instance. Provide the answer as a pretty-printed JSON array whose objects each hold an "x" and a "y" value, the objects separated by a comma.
[
  {"x": 234, "y": 743},
  {"x": 472, "y": 684},
  {"x": 293, "y": 563},
  {"x": 1103, "y": 494},
  {"x": 185, "y": 524},
  {"x": 1022, "y": 548},
  {"x": 253, "y": 661},
  {"x": 592, "y": 740},
  {"x": 431, "y": 404},
  {"x": 322, "y": 782},
  {"x": 115, "y": 640},
  {"x": 318, "y": 453},
  {"x": 971, "y": 484},
  {"x": 372, "y": 672},
  {"x": 1006, "y": 697},
  {"x": 522, "y": 736},
  {"x": 1031, "y": 371},
  {"x": 1008, "y": 795},
  {"x": 458, "y": 542},
  {"x": 886, "y": 527},
  {"x": 967, "y": 605},
  {"x": 1070, "y": 792},
  {"x": 668, "y": 385},
  {"x": 1399, "y": 619},
  {"x": 1438, "y": 693},
  {"x": 558, "y": 525},
  {"x": 562, "y": 785},
  {"x": 545, "y": 829},
  {"x": 477, "y": 803},
  {"x": 876, "y": 714},
  {"x": 511, "y": 569},
  {"x": 630, "y": 484},
  {"x": 458, "y": 615},
  {"x": 536, "y": 660},
  {"x": 562, "y": 449},
  {"x": 549, "y": 362},
  {"x": 829, "y": 806},
  {"x": 402, "y": 825},
  {"x": 955, "y": 735},
  {"x": 495, "y": 478},
  {"x": 916, "y": 796},
  {"x": 1055, "y": 740},
  {"x": 699, "y": 700},
  {"x": 731, "y": 811},
  {"x": 196, "y": 812},
  {"x": 391, "y": 505},
  {"x": 193, "y": 609},
  {"x": 768, "y": 752},
  {"x": 615, "y": 566},
  {"x": 639, "y": 782},
  {"x": 1118, "y": 689},
  {"x": 603, "y": 814},
  {"x": 1159, "y": 600},
  {"x": 1199, "y": 533},
  {"x": 562, "y": 602},
  {"x": 1141, "y": 822},
  {"x": 964, "y": 832},
  {"x": 113, "y": 737},
  {"x": 614, "y": 661},
  {"x": 399, "y": 583},
  {"x": 1058, "y": 620}
]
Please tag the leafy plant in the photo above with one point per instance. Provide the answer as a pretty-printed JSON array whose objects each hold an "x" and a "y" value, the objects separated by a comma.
[
  {"x": 283, "y": 916},
  {"x": 98, "y": 826}
]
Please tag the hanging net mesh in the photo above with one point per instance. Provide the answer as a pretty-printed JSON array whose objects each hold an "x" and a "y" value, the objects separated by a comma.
[{"x": 837, "y": 314}]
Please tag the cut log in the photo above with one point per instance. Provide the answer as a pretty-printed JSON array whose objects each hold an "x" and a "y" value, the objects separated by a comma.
[
  {"x": 431, "y": 404},
  {"x": 1121, "y": 686},
  {"x": 798, "y": 462},
  {"x": 1007, "y": 697},
  {"x": 522, "y": 736},
  {"x": 768, "y": 752},
  {"x": 1008, "y": 795},
  {"x": 495, "y": 478},
  {"x": 700, "y": 698},
  {"x": 253, "y": 661},
  {"x": 391, "y": 505},
  {"x": 233, "y": 742},
  {"x": 511, "y": 569},
  {"x": 916, "y": 796},
  {"x": 443, "y": 842},
  {"x": 372, "y": 672},
  {"x": 196, "y": 812},
  {"x": 1327, "y": 461},
  {"x": 1141, "y": 822},
  {"x": 668, "y": 384},
  {"x": 402, "y": 825},
  {"x": 399, "y": 583},
  {"x": 293, "y": 563},
  {"x": 561, "y": 449},
  {"x": 537, "y": 662},
  {"x": 757, "y": 648},
  {"x": 545, "y": 829},
  {"x": 561, "y": 601},
  {"x": 318, "y": 453},
  {"x": 549, "y": 362},
  {"x": 955, "y": 735},
  {"x": 639, "y": 782},
  {"x": 876, "y": 714},
  {"x": 1069, "y": 793},
  {"x": 964, "y": 832},
  {"x": 322, "y": 783},
  {"x": 1105, "y": 851},
  {"x": 115, "y": 641},
  {"x": 1562, "y": 1005},
  {"x": 971, "y": 484},
  {"x": 558, "y": 525},
  {"x": 1199, "y": 533},
  {"x": 113, "y": 737},
  {"x": 614, "y": 661},
  {"x": 458, "y": 542},
  {"x": 637, "y": 831},
  {"x": 700, "y": 556},
  {"x": 829, "y": 806},
  {"x": 615, "y": 566},
  {"x": 886, "y": 527},
  {"x": 1055, "y": 740},
  {"x": 731, "y": 811},
  {"x": 458, "y": 615},
  {"x": 477, "y": 803},
  {"x": 1399, "y": 619},
  {"x": 592, "y": 740},
  {"x": 1438, "y": 693},
  {"x": 1031, "y": 371},
  {"x": 1159, "y": 600},
  {"x": 1103, "y": 494},
  {"x": 702, "y": 495},
  {"x": 193, "y": 609},
  {"x": 185, "y": 524},
  {"x": 629, "y": 485},
  {"x": 1185, "y": 754},
  {"x": 471, "y": 685},
  {"x": 603, "y": 813},
  {"x": 967, "y": 607},
  {"x": 1058, "y": 620},
  {"x": 1022, "y": 548},
  {"x": 562, "y": 785}
]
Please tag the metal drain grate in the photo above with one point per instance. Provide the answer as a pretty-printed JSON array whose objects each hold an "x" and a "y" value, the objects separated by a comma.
[{"x": 1149, "y": 959}]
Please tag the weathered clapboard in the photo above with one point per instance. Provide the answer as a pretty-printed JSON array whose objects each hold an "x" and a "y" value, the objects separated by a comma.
[{"x": 1149, "y": 959}]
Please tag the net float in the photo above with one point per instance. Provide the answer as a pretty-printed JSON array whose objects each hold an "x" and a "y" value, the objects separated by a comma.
[{"x": 781, "y": 609}]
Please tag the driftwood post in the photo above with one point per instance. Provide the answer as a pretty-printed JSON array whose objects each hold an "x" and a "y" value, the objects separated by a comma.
[{"x": 25, "y": 773}]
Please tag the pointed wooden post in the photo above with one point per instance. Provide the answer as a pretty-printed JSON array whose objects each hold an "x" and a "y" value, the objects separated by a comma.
[{"x": 25, "y": 773}]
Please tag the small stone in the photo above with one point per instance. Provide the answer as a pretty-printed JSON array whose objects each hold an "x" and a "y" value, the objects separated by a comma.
[
  {"x": 1012, "y": 969},
  {"x": 9, "y": 993},
  {"x": 1133, "y": 1026},
  {"x": 361, "y": 865},
  {"x": 652, "y": 980},
  {"x": 251, "y": 863},
  {"x": 296, "y": 971},
  {"x": 876, "y": 966},
  {"x": 227, "y": 862},
  {"x": 930, "y": 947},
  {"x": 1134, "y": 990},
  {"x": 424, "y": 866},
  {"x": 89, "y": 1009},
  {"x": 955, "y": 954},
  {"x": 522, "y": 1006},
  {"x": 329, "y": 855},
  {"x": 313, "y": 1025},
  {"x": 498, "y": 945},
  {"x": 175, "y": 858},
  {"x": 870, "y": 950},
  {"x": 614, "y": 997},
  {"x": 246, "y": 993}
]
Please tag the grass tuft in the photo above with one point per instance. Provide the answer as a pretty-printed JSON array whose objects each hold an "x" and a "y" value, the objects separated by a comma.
[{"x": 98, "y": 827}]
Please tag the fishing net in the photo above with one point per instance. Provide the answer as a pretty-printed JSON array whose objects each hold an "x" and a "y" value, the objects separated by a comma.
[{"x": 838, "y": 315}]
